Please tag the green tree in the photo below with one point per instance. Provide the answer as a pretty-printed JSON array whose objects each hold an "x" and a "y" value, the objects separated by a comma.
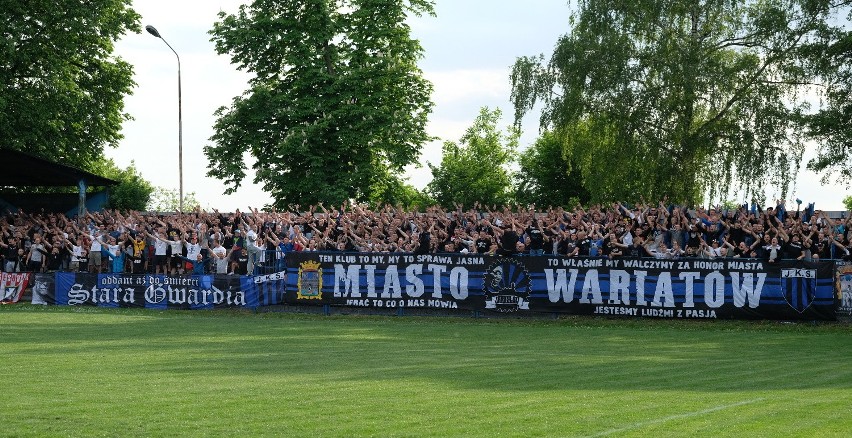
[
  {"x": 832, "y": 124},
  {"x": 730, "y": 204},
  {"x": 476, "y": 168},
  {"x": 547, "y": 177},
  {"x": 847, "y": 203},
  {"x": 132, "y": 192},
  {"x": 337, "y": 101},
  {"x": 394, "y": 191},
  {"x": 168, "y": 200},
  {"x": 680, "y": 98},
  {"x": 61, "y": 89}
]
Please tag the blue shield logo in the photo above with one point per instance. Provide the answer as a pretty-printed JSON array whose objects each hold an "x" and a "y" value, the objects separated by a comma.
[{"x": 799, "y": 287}]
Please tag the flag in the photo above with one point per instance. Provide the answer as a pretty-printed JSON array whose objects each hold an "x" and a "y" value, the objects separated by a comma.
[{"x": 12, "y": 286}]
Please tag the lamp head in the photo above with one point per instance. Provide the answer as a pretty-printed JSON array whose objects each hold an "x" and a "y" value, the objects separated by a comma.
[{"x": 153, "y": 31}]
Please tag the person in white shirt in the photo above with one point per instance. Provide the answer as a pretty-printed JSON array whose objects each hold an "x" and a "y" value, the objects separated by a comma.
[
  {"x": 95, "y": 261},
  {"x": 660, "y": 252},
  {"x": 175, "y": 264},
  {"x": 220, "y": 257},
  {"x": 160, "y": 251},
  {"x": 193, "y": 247},
  {"x": 76, "y": 253},
  {"x": 715, "y": 249},
  {"x": 257, "y": 255},
  {"x": 251, "y": 235}
]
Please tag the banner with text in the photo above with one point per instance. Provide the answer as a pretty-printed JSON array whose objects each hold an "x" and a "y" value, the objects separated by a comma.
[
  {"x": 727, "y": 288},
  {"x": 693, "y": 288},
  {"x": 150, "y": 291}
]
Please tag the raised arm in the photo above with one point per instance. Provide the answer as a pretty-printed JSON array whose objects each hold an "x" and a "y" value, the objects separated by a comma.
[
  {"x": 272, "y": 237},
  {"x": 837, "y": 244}
]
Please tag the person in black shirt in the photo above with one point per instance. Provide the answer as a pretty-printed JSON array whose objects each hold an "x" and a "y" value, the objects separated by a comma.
[
  {"x": 239, "y": 261},
  {"x": 137, "y": 263},
  {"x": 536, "y": 239},
  {"x": 425, "y": 241},
  {"x": 11, "y": 259},
  {"x": 583, "y": 243},
  {"x": 228, "y": 240},
  {"x": 737, "y": 233},
  {"x": 508, "y": 240},
  {"x": 693, "y": 239},
  {"x": 744, "y": 251},
  {"x": 54, "y": 259},
  {"x": 482, "y": 243},
  {"x": 792, "y": 247},
  {"x": 761, "y": 250},
  {"x": 83, "y": 261},
  {"x": 637, "y": 249},
  {"x": 613, "y": 248},
  {"x": 521, "y": 249},
  {"x": 717, "y": 231},
  {"x": 567, "y": 246}
]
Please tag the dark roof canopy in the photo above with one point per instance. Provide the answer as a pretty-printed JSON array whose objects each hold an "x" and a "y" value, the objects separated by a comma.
[{"x": 22, "y": 170}]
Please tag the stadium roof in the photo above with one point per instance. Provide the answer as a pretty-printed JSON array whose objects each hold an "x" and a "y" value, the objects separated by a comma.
[{"x": 19, "y": 169}]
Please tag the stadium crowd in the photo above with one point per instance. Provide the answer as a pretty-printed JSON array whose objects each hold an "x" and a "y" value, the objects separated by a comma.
[{"x": 256, "y": 242}]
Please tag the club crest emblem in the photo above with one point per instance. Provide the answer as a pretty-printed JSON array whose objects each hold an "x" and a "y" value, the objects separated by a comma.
[
  {"x": 507, "y": 286},
  {"x": 309, "y": 286},
  {"x": 799, "y": 287}
]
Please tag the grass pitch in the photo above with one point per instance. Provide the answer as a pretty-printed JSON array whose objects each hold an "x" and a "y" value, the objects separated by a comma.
[{"x": 94, "y": 372}]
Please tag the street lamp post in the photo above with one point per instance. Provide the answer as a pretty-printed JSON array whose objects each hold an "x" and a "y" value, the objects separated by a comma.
[{"x": 153, "y": 31}]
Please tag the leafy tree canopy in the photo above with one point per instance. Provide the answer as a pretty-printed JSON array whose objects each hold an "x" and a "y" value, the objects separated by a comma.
[
  {"x": 132, "y": 192},
  {"x": 832, "y": 124},
  {"x": 393, "y": 190},
  {"x": 337, "y": 101},
  {"x": 61, "y": 90},
  {"x": 547, "y": 176},
  {"x": 476, "y": 169},
  {"x": 168, "y": 200},
  {"x": 683, "y": 98}
]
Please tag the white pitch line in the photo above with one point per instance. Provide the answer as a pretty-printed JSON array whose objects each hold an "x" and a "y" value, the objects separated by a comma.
[{"x": 675, "y": 417}]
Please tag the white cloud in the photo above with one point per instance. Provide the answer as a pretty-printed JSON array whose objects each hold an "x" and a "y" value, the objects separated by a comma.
[{"x": 455, "y": 86}]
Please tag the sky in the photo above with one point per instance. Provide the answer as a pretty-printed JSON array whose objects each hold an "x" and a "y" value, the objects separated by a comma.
[{"x": 470, "y": 46}]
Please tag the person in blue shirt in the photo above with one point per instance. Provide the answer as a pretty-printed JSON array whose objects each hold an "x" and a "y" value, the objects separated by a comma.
[
  {"x": 199, "y": 264},
  {"x": 283, "y": 246},
  {"x": 117, "y": 258}
]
